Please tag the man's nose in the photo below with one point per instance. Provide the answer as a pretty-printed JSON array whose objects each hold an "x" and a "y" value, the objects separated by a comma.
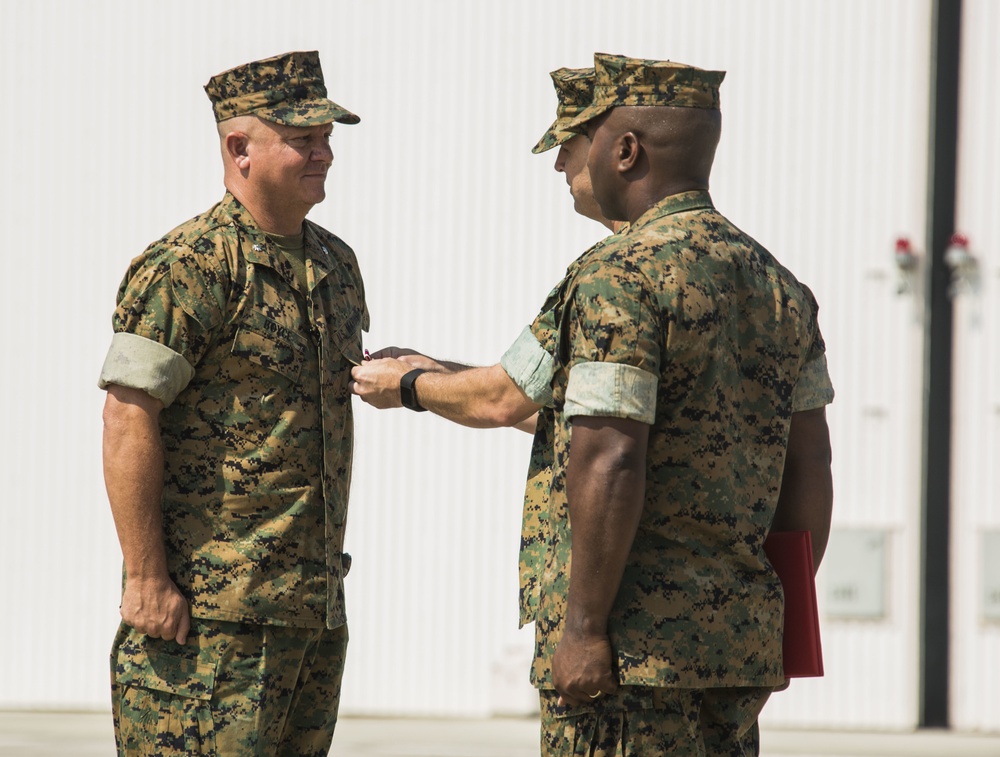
[
  {"x": 323, "y": 153},
  {"x": 560, "y": 165}
]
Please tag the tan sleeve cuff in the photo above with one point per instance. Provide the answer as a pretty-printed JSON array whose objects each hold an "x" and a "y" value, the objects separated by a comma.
[
  {"x": 141, "y": 363},
  {"x": 814, "y": 389},
  {"x": 611, "y": 389},
  {"x": 530, "y": 367}
]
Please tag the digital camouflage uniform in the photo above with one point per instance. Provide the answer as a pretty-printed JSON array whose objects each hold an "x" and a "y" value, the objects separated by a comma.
[
  {"x": 257, "y": 433},
  {"x": 529, "y": 361},
  {"x": 684, "y": 323},
  {"x": 574, "y": 90}
]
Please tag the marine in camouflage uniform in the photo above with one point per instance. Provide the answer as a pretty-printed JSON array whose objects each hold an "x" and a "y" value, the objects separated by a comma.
[
  {"x": 686, "y": 324},
  {"x": 688, "y": 368},
  {"x": 575, "y": 91},
  {"x": 246, "y": 343}
]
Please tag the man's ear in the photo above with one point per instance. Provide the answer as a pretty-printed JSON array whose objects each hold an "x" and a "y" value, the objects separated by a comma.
[
  {"x": 629, "y": 151},
  {"x": 237, "y": 148}
]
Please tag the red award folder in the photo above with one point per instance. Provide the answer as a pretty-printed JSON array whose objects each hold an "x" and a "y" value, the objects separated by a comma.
[{"x": 790, "y": 552}]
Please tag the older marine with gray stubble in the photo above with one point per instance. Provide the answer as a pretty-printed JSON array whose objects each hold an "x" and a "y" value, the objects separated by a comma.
[{"x": 228, "y": 442}]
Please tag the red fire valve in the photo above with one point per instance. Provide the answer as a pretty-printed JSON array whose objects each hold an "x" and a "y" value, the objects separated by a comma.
[
  {"x": 906, "y": 258},
  {"x": 957, "y": 256}
]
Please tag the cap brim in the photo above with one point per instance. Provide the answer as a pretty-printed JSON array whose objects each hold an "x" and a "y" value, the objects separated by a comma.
[
  {"x": 552, "y": 139},
  {"x": 592, "y": 111},
  {"x": 308, "y": 113},
  {"x": 554, "y": 136}
]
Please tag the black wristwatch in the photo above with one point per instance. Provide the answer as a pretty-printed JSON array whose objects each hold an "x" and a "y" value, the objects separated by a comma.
[{"x": 408, "y": 392}]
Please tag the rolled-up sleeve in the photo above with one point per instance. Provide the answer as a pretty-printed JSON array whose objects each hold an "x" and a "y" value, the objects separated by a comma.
[
  {"x": 530, "y": 367},
  {"x": 813, "y": 389},
  {"x": 612, "y": 390},
  {"x": 169, "y": 305},
  {"x": 613, "y": 335},
  {"x": 141, "y": 363}
]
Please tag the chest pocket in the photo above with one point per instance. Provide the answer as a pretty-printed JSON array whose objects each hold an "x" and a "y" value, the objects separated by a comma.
[
  {"x": 270, "y": 345},
  {"x": 341, "y": 317},
  {"x": 347, "y": 337}
]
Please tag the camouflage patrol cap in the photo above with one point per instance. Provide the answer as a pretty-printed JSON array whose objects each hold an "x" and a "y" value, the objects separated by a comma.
[
  {"x": 286, "y": 89},
  {"x": 575, "y": 90},
  {"x": 634, "y": 81}
]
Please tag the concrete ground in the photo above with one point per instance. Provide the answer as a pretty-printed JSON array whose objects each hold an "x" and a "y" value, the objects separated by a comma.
[{"x": 58, "y": 734}]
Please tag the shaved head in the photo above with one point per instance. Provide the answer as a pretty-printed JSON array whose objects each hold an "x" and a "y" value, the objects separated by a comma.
[
  {"x": 641, "y": 154},
  {"x": 245, "y": 124},
  {"x": 681, "y": 139}
]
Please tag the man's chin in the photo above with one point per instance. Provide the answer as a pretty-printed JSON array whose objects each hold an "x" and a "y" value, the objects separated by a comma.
[
  {"x": 314, "y": 185},
  {"x": 315, "y": 196}
]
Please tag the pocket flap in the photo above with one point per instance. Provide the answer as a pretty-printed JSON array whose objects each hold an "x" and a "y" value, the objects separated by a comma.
[
  {"x": 347, "y": 338},
  {"x": 270, "y": 346},
  {"x": 171, "y": 673}
]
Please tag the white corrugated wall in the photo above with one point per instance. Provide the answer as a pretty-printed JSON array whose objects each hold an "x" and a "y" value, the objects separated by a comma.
[
  {"x": 840, "y": 180},
  {"x": 975, "y": 649},
  {"x": 108, "y": 142}
]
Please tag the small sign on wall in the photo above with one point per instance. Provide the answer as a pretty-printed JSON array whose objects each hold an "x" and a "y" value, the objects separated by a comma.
[
  {"x": 991, "y": 576},
  {"x": 853, "y": 571}
]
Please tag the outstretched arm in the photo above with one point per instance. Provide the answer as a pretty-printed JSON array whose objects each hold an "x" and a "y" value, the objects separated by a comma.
[
  {"x": 418, "y": 360},
  {"x": 476, "y": 397},
  {"x": 133, "y": 475},
  {"x": 806, "y": 499}
]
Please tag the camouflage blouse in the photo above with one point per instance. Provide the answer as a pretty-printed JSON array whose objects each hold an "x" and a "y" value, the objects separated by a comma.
[
  {"x": 685, "y": 323},
  {"x": 257, "y": 425}
]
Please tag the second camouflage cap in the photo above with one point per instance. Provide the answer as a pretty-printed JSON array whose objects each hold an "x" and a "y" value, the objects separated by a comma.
[
  {"x": 575, "y": 90},
  {"x": 286, "y": 89},
  {"x": 622, "y": 81}
]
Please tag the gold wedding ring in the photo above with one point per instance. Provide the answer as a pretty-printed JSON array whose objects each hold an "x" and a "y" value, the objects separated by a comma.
[{"x": 594, "y": 696}]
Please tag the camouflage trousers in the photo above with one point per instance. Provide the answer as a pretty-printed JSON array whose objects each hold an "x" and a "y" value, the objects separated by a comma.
[
  {"x": 232, "y": 689},
  {"x": 641, "y": 722}
]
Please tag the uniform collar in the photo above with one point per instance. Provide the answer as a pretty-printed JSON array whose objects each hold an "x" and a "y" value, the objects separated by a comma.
[
  {"x": 698, "y": 199},
  {"x": 260, "y": 249},
  {"x": 257, "y": 248},
  {"x": 322, "y": 256},
  {"x": 595, "y": 248}
]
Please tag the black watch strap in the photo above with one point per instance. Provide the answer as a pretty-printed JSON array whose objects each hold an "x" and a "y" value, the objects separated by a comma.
[{"x": 408, "y": 390}]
